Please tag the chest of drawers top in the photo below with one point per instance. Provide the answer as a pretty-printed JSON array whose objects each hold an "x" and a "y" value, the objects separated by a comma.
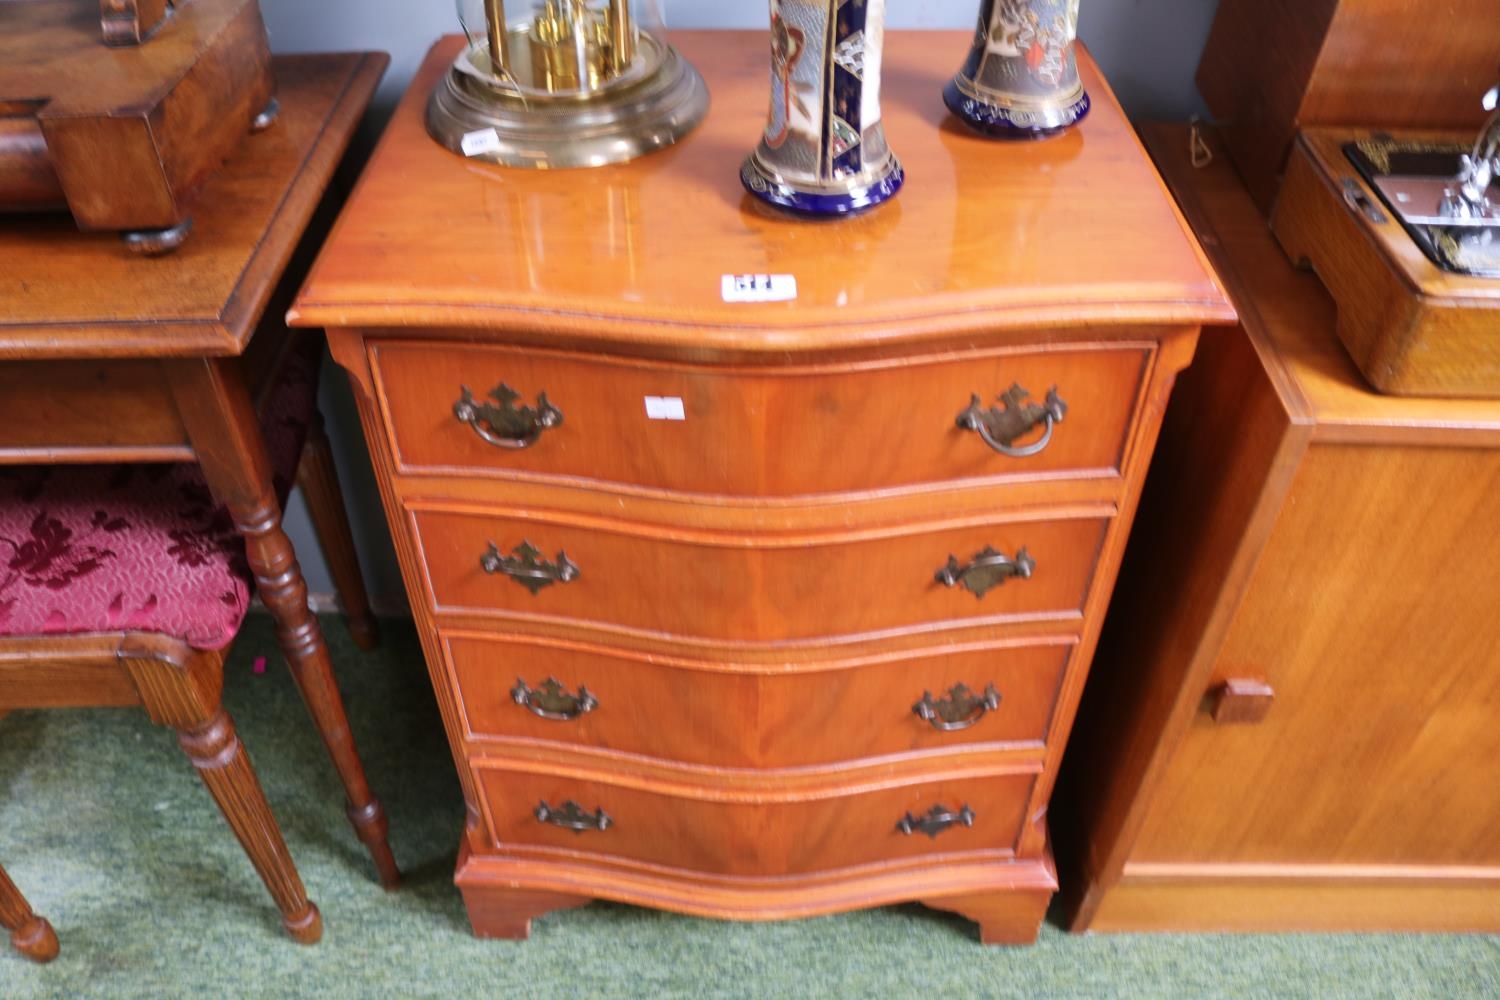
[{"x": 1075, "y": 232}]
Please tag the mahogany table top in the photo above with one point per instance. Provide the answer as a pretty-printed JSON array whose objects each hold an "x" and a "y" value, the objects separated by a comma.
[
  {"x": 985, "y": 236},
  {"x": 66, "y": 294}
]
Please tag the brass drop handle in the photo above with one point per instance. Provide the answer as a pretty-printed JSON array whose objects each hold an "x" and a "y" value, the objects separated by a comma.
[
  {"x": 959, "y": 709},
  {"x": 987, "y": 570},
  {"x": 999, "y": 428},
  {"x": 503, "y": 423},
  {"x": 527, "y": 567},
  {"x": 552, "y": 701},
  {"x": 935, "y": 821},
  {"x": 572, "y": 817}
]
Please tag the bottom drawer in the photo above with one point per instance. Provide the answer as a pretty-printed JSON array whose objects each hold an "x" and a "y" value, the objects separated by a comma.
[{"x": 757, "y": 833}]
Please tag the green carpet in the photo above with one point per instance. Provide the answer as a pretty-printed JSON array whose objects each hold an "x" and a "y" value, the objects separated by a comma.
[{"x": 107, "y": 830}]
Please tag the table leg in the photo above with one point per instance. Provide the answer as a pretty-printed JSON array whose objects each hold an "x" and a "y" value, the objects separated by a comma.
[
  {"x": 221, "y": 423},
  {"x": 30, "y": 934}
]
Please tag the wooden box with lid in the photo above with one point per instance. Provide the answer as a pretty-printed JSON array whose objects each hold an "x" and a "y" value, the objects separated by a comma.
[{"x": 729, "y": 607}]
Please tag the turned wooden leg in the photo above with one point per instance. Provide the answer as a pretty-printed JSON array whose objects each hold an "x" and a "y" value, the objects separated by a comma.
[
  {"x": 181, "y": 688},
  {"x": 225, "y": 434},
  {"x": 507, "y": 913},
  {"x": 1005, "y": 916},
  {"x": 319, "y": 480},
  {"x": 30, "y": 934}
]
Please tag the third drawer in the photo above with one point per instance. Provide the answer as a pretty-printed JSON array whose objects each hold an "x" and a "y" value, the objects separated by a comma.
[{"x": 756, "y": 716}]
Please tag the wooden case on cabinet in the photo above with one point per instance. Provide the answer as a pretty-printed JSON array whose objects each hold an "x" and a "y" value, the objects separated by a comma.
[
  {"x": 1273, "y": 67},
  {"x": 1314, "y": 563},
  {"x": 731, "y": 609}
]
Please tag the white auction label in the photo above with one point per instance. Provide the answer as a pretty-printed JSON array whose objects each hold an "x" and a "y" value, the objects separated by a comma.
[
  {"x": 485, "y": 140},
  {"x": 759, "y": 287},
  {"x": 665, "y": 408}
]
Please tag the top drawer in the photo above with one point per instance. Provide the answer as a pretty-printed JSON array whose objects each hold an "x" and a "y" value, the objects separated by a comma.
[{"x": 755, "y": 431}]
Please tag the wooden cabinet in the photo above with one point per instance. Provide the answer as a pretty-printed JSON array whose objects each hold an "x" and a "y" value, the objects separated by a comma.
[
  {"x": 1319, "y": 564},
  {"x": 727, "y": 610}
]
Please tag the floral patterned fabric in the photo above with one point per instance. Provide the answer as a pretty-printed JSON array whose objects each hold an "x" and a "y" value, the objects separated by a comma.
[{"x": 139, "y": 547}]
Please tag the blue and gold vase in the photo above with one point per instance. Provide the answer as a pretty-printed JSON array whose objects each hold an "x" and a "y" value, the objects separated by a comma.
[
  {"x": 1021, "y": 79},
  {"x": 824, "y": 150}
]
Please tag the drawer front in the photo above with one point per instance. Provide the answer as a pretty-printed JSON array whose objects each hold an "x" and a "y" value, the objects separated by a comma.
[
  {"x": 758, "y": 431},
  {"x": 765, "y": 837},
  {"x": 95, "y": 405},
  {"x": 696, "y": 713},
  {"x": 722, "y": 586}
]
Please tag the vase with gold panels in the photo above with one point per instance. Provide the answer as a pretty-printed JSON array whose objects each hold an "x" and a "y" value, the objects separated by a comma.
[{"x": 824, "y": 151}]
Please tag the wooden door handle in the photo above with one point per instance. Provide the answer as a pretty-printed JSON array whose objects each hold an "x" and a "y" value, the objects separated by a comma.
[{"x": 1240, "y": 701}]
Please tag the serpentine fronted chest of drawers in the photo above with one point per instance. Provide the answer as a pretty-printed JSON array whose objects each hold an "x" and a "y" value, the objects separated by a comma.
[{"x": 732, "y": 609}]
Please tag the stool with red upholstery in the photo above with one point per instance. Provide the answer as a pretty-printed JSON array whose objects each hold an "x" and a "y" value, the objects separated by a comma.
[{"x": 124, "y": 585}]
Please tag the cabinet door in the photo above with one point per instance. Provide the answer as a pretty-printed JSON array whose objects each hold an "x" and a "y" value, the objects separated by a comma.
[{"x": 1374, "y": 614}]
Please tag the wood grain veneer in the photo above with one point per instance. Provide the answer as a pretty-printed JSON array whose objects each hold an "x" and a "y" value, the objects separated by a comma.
[
  {"x": 756, "y": 608},
  {"x": 835, "y": 418},
  {"x": 130, "y": 134},
  {"x": 1306, "y": 531},
  {"x": 800, "y": 714}
]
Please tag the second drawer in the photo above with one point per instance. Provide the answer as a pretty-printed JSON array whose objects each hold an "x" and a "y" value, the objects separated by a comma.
[
  {"x": 701, "y": 713},
  {"x": 732, "y": 586}
]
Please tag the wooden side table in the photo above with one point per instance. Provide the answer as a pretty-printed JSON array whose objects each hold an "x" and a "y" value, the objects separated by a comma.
[
  {"x": 108, "y": 357},
  {"x": 729, "y": 607}
]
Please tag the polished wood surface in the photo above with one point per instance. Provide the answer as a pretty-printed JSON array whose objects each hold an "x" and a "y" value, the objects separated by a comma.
[
  {"x": 800, "y": 714},
  {"x": 1271, "y": 67},
  {"x": 792, "y": 586},
  {"x": 762, "y": 831},
  {"x": 850, "y": 428},
  {"x": 1413, "y": 328},
  {"x": 116, "y": 325},
  {"x": 131, "y": 133},
  {"x": 1268, "y": 548},
  {"x": 636, "y": 253},
  {"x": 67, "y": 295},
  {"x": 756, "y": 608}
]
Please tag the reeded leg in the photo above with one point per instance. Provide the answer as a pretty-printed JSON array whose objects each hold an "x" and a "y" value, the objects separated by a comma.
[
  {"x": 319, "y": 480},
  {"x": 30, "y": 934},
  {"x": 215, "y": 750},
  {"x": 181, "y": 688},
  {"x": 226, "y": 437}
]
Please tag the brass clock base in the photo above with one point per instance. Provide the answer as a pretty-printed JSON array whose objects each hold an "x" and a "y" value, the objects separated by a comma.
[{"x": 545, "y": 132}]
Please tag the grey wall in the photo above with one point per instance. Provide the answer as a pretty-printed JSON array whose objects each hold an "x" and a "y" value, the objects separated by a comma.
[{"x": 1148, "y": 49}]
